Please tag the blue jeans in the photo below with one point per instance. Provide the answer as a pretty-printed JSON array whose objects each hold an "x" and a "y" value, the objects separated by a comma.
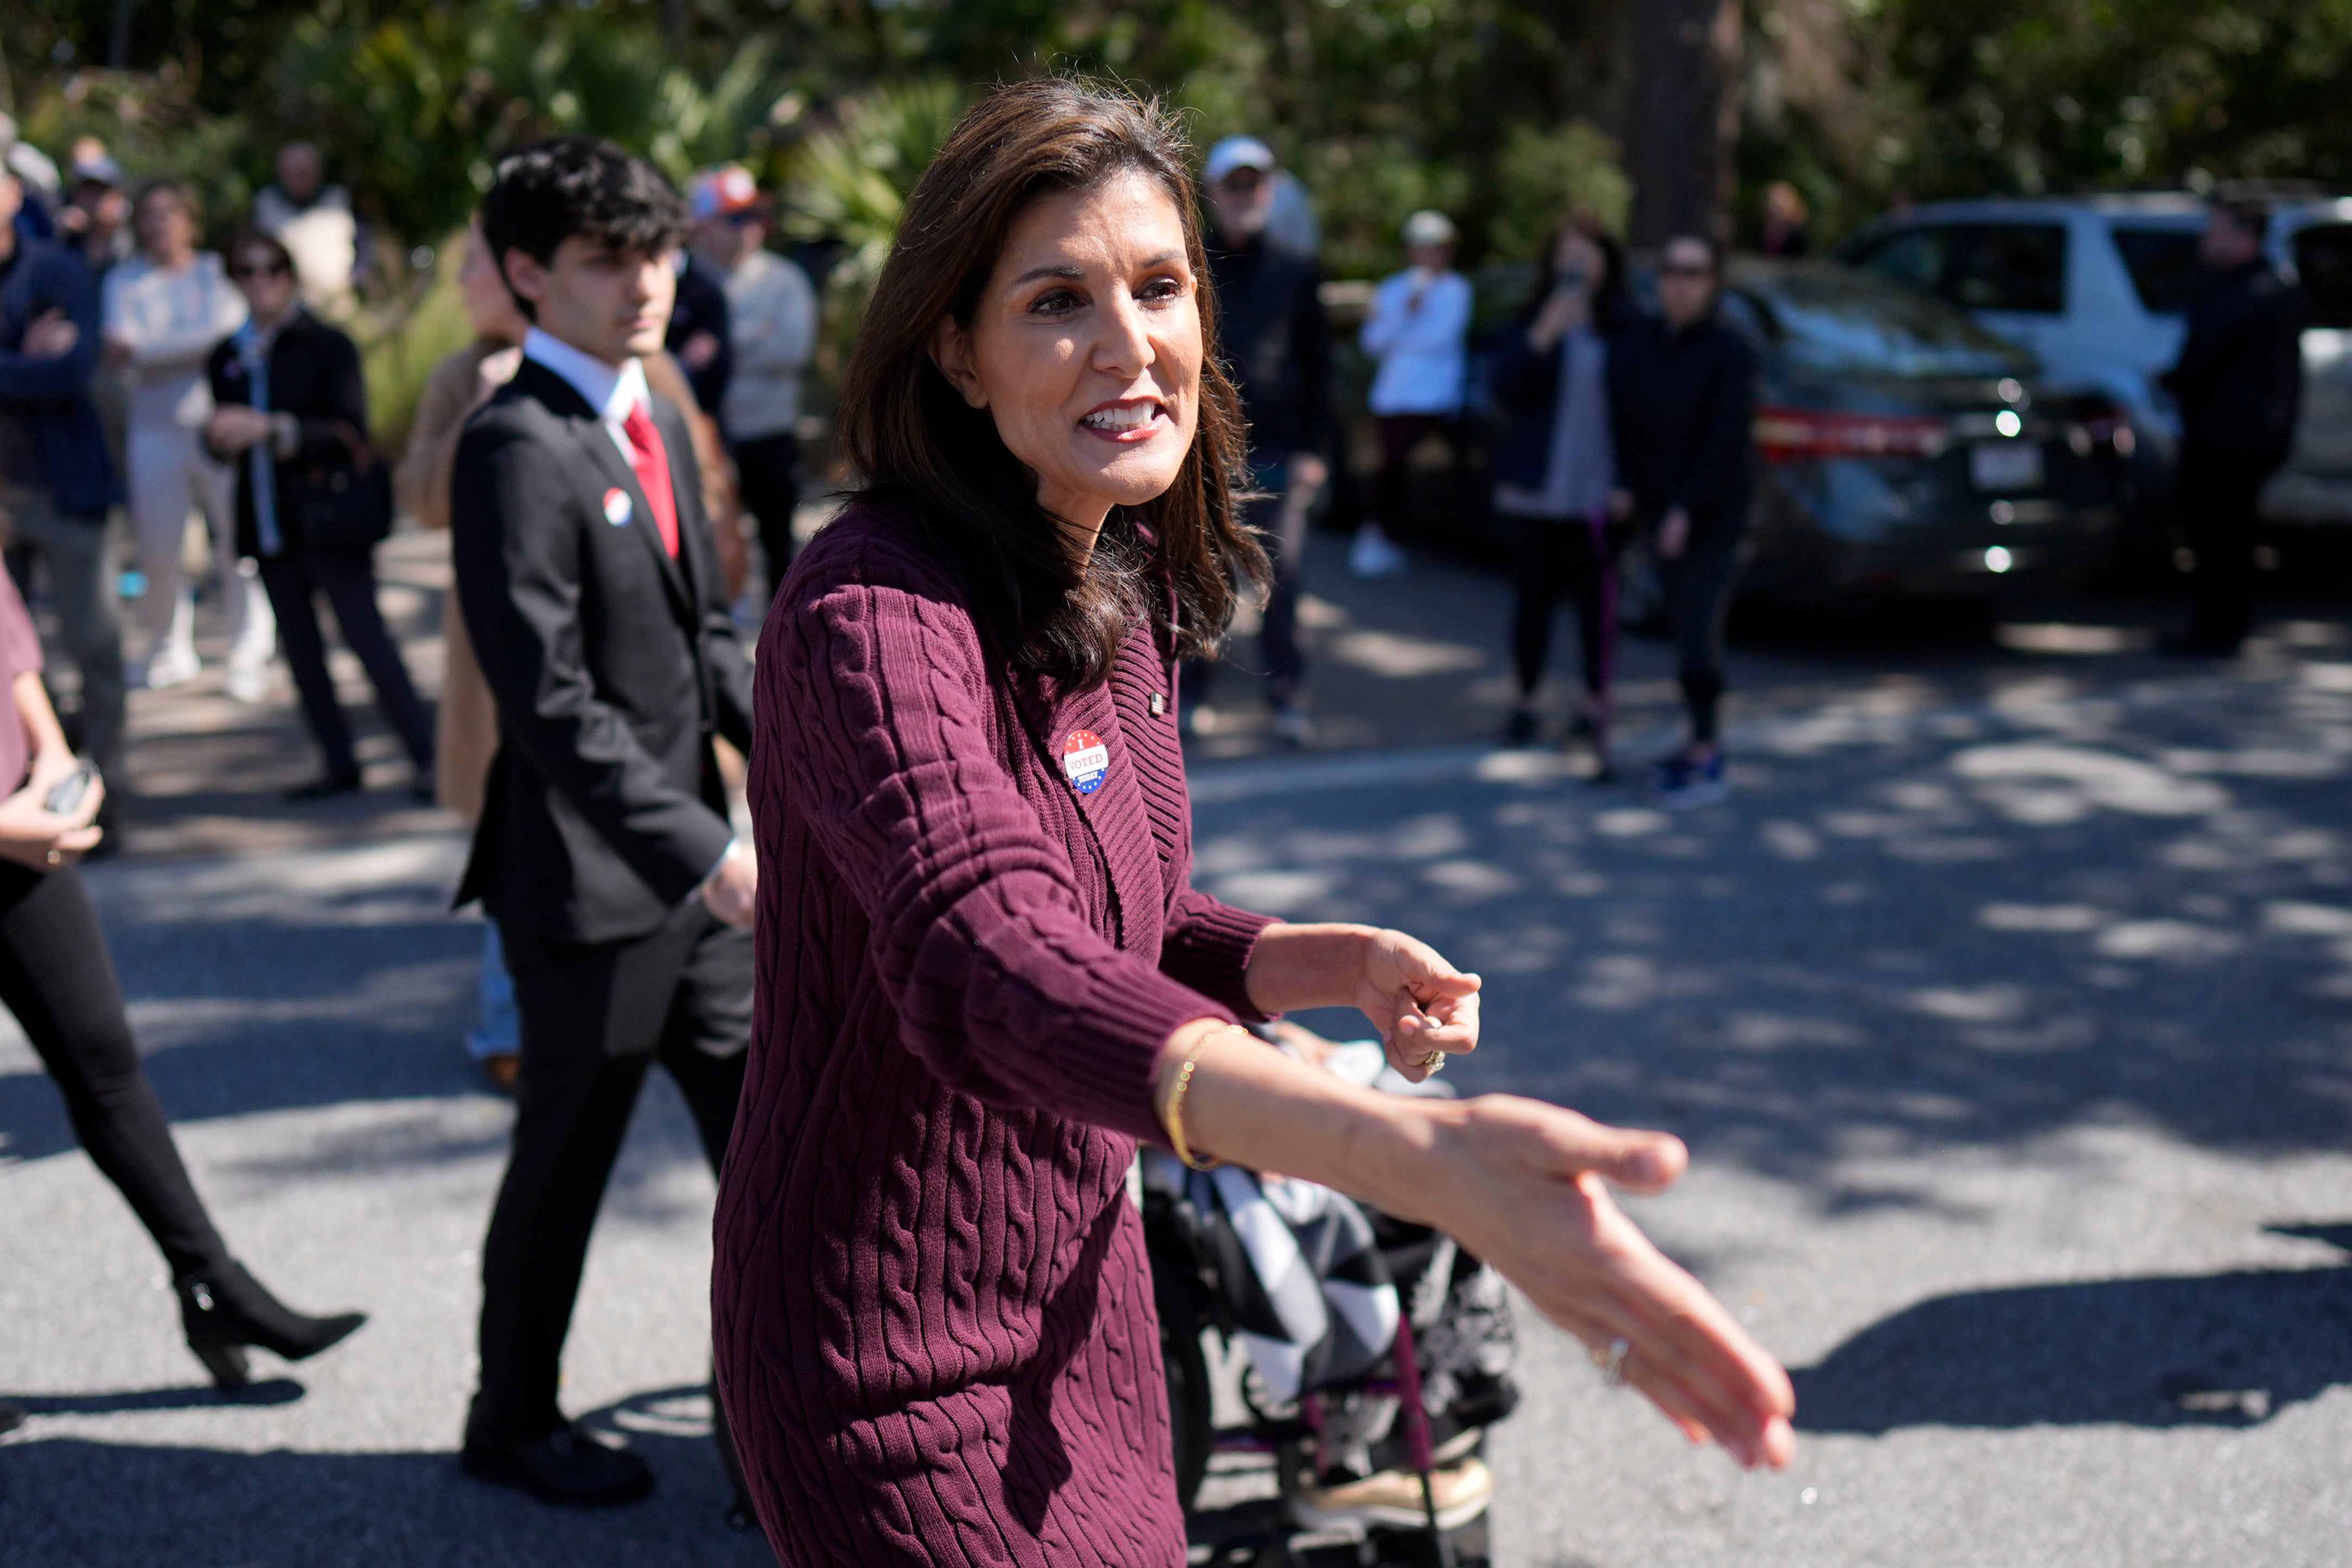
[{"x": 496, "y": 1033}]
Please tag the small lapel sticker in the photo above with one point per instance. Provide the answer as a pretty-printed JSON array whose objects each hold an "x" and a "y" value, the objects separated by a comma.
[
  {"x": 1086, "y": 759},
  {"x": 616, "y": 507},
  {"x": 1159, "y": 704}
]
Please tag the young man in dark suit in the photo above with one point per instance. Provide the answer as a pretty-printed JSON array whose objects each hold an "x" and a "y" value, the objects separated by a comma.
[{"x": 590, "y": 585}]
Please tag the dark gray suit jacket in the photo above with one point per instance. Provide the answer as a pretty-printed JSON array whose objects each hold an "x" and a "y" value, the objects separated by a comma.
[{"x": 612, "y": 666}]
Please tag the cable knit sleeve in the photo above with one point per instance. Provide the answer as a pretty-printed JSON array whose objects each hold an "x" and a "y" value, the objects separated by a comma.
[
  {"x": 1207, "y": 946},
  {"x": 874, "y": 690}
]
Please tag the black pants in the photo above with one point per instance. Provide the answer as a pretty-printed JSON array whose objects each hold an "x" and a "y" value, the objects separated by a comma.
[
  {"x": 768, "y": 474},
  {"x": 1572, "y": 558},
  {"x": 595, "y": 1017},
  {"x": 1278, "y": 639},
  {"x": 57, "y": 978},
  {"x": 2221, "y": 496},
  {"x": 1699, "y": 600},
  {"x": 1392, "y": 491},
  {"x": 294, "y": 580}
]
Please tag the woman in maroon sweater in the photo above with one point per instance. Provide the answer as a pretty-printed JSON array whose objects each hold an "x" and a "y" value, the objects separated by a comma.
[{"x": 984, "y": 975}]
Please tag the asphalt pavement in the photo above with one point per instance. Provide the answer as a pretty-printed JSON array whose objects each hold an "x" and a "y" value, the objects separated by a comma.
[{"x": 2006, "y": 1006}]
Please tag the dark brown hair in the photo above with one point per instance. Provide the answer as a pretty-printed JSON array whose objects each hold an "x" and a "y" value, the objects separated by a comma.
[
  {"x": 931, "y": 459},
  {"x": 1609, "y": 295},
  {"x": 170, "y": 185}
]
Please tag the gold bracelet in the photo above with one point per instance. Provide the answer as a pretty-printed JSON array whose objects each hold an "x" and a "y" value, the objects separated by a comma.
[{"x": 1176, "y": 1109}]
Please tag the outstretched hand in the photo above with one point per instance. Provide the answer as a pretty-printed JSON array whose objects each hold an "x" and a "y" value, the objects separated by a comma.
[
  {"x": 1424, "y": 1008},
  {"x": 1527, "y": 1188}
]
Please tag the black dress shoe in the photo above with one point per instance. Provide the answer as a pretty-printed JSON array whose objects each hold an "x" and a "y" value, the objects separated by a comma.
[
  {"x": 224, "y": 1310},
  {"x": 325, "y": 785},
  {"x": 568, "y": 1465},
  {"x": 1519, "y": 729}
]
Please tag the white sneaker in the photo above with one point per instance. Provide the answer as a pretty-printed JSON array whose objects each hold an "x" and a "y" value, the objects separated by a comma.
[
  {"x": 1392, "y": 1498},
  {"x": 247, "y": 683},
  {"x": 172, "y": 666}
]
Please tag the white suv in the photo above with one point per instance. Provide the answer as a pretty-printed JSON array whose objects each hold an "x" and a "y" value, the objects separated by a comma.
[{"x": 2096, "y": 288}]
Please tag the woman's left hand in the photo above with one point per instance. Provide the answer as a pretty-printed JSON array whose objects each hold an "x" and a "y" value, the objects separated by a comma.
[
  {"x": 1424, "y": 1008},
  {"x": 32, "y": 835}
]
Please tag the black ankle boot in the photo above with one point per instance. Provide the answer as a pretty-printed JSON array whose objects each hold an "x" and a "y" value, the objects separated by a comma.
[{"x": 225, "y": 1309}]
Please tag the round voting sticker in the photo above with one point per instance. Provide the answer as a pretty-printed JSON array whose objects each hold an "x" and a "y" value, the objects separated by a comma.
[
  {"x": 1086, "y": 759},
  {"x": 616, "y": 507}
]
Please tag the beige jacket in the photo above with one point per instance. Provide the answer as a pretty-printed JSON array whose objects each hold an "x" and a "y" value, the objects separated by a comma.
[{"x": 468, "y": 725}]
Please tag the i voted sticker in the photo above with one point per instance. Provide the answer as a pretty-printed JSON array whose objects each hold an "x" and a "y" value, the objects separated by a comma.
[
  {"x": 1086, "y": 759},
  {"x": 616, "y": 507}
]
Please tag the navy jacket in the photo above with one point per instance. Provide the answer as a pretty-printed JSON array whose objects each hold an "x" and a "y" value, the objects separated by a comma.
[
  {"x": 52, "y": 395},
  {"x": 2240, "y": 379},
  {"x": 701, "y": 307},
  {"x": 315, "y": 375},
  {"x": 1526, "y": 386},
  {"x": 1684, "y": 403},
  {"x": 1277, "y": 343}
]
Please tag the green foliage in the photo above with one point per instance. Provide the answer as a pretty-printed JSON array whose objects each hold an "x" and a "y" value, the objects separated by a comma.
[
  {"x": 2032, "y": 95},
  {"x": 399, "y": 346}
]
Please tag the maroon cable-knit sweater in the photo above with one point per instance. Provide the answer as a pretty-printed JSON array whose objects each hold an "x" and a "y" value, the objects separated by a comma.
[{"x": 936, "y": 1341}]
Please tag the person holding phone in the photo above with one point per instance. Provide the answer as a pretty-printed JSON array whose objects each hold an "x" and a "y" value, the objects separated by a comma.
[
  {"x": 57, "y": 979},
  {"x": 1556, "y": 471}
]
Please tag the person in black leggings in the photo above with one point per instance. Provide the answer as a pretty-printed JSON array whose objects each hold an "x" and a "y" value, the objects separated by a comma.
[
  {"x": 1555, "y": 472},
  {"x": 57, "y": 980}
]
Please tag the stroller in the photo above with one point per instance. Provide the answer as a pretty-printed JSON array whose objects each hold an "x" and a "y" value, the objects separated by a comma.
[{"x": 1376, "y": 1353}]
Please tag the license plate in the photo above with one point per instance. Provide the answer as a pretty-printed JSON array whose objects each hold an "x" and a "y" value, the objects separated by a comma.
[{"x": 2005, "y": 466}]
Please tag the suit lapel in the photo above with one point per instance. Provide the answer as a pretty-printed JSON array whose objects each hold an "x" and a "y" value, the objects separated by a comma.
[{"x": 597, "y": 442}]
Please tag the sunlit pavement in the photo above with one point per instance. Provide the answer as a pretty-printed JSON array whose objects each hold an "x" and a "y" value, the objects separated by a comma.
[{"x": 2007, "y": 1008}]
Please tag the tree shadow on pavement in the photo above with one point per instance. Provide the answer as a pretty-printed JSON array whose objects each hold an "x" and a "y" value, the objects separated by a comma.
[
  {"x": 2230, "y": 1349},
  {"x": 1915, "y": 930},
  {"x": 71, "y": 1500}
]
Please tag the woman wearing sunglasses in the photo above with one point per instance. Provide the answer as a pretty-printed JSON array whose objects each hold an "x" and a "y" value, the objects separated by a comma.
[
  {"x": 313, "y": 502},
  {"x": 1683, "y": 396}
]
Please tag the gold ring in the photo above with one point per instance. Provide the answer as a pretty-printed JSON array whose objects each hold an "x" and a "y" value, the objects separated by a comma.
[
  {"x": 56, "y": 858},
  {"x": 1434, "y": 1061},
  {"x": 1612, "y": 1361}
]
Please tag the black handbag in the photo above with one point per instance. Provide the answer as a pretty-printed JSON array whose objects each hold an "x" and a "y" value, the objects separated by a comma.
[{"x": 345, "y": 508}]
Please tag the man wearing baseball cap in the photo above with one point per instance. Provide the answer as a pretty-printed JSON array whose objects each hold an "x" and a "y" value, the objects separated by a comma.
[
  {"x": 772, "y": 318},
  {"x": 1277, "y": 345}
]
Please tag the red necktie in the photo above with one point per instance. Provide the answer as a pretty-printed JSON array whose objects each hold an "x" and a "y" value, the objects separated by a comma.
[{"x": 651, "y": 460}]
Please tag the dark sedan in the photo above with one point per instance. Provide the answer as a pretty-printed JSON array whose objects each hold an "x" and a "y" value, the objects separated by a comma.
[{"x": 1903, "y": 450}]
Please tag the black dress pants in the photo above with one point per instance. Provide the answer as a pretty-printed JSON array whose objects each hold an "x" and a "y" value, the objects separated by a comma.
[
  {"x": 595, "y": 1017},
  {"x": 2221, "y": 496},
  {"x": 57, "y": 980},
  {"x": 295, "y": 579},
  {"x": 768, "y": 476}
]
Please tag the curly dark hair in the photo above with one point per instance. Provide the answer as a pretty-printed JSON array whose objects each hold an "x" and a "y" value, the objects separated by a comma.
[
  {"x": 580, "y": 185},
  {"x": 930, "y": 458}
]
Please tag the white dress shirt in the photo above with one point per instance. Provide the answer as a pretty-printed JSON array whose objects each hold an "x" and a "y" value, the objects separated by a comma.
[{"x": 611, "y": 390}]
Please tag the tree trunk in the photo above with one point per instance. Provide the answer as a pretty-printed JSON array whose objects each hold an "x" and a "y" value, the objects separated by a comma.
[
  {"x": 118, "y": 38},
  {"x": 1685, "y": 118}
]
